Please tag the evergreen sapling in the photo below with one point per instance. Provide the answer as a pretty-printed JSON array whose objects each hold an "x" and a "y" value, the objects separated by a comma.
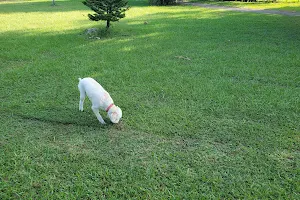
[{"x": 107, "y": 10}]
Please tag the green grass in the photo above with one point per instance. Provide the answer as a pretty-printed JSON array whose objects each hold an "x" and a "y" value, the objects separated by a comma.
[
  {"x": 284, "y": 5},
  {"x": 210, "y": 104}
]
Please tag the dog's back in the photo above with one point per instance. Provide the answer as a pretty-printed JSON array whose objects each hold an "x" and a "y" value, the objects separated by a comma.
[
  {"x": 100, "y": 100},
  {"x": 90, "y": 85},
  {"x": 96, "y": 93}
]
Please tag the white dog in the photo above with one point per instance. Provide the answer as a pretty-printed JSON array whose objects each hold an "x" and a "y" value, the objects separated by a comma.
[{"x": 100, "y": 100}]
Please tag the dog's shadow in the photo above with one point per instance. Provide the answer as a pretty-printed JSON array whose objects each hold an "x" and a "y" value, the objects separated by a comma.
[{"x": 82, "y": 119}]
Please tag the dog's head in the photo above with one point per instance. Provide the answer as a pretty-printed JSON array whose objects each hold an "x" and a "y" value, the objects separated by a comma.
[{"x": 115, "y": 114}]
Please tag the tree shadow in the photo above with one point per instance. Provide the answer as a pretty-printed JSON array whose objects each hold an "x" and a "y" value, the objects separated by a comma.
[
  {"x": 138, "y": 3},
  {"x": 46, "y": 6},
  {"x": 49, "y": 77},
  {"x": 293, "y": 9}
]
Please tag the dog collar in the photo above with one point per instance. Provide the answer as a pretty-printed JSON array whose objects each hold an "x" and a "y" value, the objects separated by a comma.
[{"x": 109, "y": 107}]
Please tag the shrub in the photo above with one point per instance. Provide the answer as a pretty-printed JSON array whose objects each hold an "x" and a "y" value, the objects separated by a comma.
[{"x": 162, "y": 2}]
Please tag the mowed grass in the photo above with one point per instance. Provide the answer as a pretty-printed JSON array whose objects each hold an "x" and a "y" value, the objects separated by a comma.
[
  {"x": 284, "y": 5},
  {"x": 210, "y": 100}
]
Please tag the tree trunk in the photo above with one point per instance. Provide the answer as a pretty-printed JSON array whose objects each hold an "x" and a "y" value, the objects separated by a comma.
[{"x": 107, "y": 24}]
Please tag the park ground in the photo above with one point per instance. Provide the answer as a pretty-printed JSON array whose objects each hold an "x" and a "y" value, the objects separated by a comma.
[{"x": 210, "y": 100}]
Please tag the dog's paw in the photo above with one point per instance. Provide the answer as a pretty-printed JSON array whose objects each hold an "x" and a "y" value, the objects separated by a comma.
[
  {"x": 103, "y": 122},
  {"x": 81, "y": 109}
]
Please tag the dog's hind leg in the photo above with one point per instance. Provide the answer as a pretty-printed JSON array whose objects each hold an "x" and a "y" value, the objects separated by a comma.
[{"x": 96, "y": 111}]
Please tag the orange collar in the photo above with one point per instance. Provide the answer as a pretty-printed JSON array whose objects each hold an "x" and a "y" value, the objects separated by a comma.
[{"x": 109, "y": 107}]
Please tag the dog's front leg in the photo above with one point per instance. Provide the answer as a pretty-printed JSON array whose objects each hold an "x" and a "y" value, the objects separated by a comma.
[
  {"x": 96, "y": 111},
  {"x": 82, "y": 97}
]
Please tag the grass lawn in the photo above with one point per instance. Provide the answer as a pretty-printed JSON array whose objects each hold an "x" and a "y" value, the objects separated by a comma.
[
  {"x": 284, "y": 5},
  {"x": 210, "y": 100}
]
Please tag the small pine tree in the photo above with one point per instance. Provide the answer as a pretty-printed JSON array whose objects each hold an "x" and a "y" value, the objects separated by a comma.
[{"x": 107, "y": 10}]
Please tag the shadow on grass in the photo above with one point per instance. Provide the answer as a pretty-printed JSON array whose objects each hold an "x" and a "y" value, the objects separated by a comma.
[
  {"x": 138, "y": 3},
  {"x": 46, "y": 6},
  {"x": 143, "y": 60},
  {"x": 288, "y": 8},
  {"x": 228, "y": 124},
  {"x": 89, "y": 122}
]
